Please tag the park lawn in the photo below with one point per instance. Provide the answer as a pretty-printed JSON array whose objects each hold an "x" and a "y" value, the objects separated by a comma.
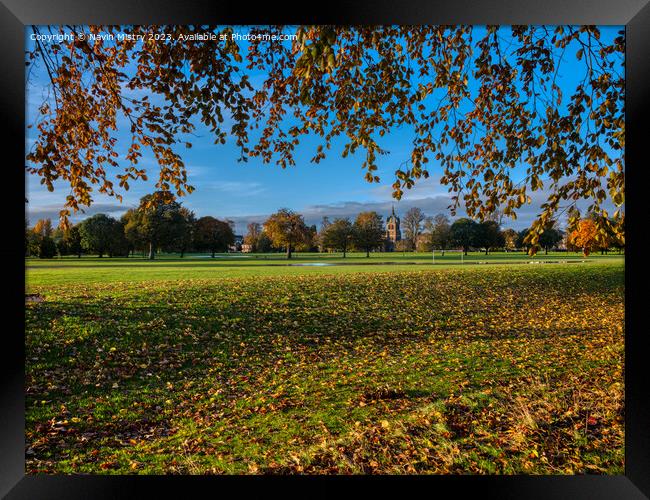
[
  {"x": 70, "y": 270},
  {"x": 480, "y": 369}
]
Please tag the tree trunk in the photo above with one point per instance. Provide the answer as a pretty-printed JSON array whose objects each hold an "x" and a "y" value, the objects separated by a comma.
[
  {"x": 213, "y": 254},
  {"x": 288, "y": 251},
  {"x": 367, "y": 252},
  {"x": 486, "y": 251},
  {"x": 465, "y": 250},
  {"x": 182, "y": 253},
  {"x": 545, "y": 250},
  {"x": 101, "y": 254},
  {"x": 151, "y": 254},
  {"x": 79, "y": 255}
]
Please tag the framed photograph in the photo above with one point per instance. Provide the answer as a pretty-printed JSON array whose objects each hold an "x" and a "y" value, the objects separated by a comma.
[{"x": 297, "y": 249}]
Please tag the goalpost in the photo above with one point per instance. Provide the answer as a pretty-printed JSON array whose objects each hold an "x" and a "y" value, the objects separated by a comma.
[{"x": 462, "y": 255}]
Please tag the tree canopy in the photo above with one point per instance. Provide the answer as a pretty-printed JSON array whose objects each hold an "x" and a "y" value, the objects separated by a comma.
[
  {"x": 213, "y": 235},
  {"x": 550, "y": 237},
  {"x": 585, "y": 236},
  {"x": 440, "y": 232},
  {"x": 368, "y": 231},
  {"x": 98, "y": 233},
  {"x": 253, "y": 235},
  {"x": 462, "y": 233},
  {"x": 39, "y": 240},
  {"x": 412, "y": 225},
  {"x": 482, "y": 104},
  {"x": 156, "y": 224},
  {"x": 487, "y": 234},
  {"x": 338, "y": 235},
  {"x": 510, "y": 239},
  {"x": 286, "y": 229}
]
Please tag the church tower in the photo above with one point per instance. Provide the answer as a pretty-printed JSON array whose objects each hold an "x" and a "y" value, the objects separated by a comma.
[{"x": 393, "y": 233}]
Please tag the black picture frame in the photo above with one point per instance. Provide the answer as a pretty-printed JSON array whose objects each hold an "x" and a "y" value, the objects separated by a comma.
[{"x": 16, "y": 14}]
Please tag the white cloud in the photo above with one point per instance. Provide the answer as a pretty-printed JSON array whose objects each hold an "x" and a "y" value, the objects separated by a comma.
[
  {"x": 235, "y": 187},
  {"x": 52, "y": 211}
]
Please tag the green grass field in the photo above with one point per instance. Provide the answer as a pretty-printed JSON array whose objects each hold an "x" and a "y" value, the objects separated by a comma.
[
  {"x": 171, "y": 267},
  {"x": 237, "y": 365}
]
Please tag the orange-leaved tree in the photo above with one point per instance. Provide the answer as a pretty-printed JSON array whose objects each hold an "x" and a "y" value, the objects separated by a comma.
[
  {"x": 585, "y": 236},
  {"x": 480, "y": 103},
  {"x": 286, "y": 229}
]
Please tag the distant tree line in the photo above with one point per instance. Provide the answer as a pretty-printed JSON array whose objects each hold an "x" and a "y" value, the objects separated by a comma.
[
  {"x": 422, "y": 233},
  {"x": 582, "y": 235},
  {"x": 170, "y": 227},
  {"x": 146, "y": 229}
]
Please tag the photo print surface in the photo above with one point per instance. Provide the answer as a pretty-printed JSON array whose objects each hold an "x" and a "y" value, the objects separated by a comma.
[{"x": 325, "y": 249}]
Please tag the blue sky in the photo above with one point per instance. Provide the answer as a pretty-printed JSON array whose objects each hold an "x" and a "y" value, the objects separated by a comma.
[{"x": 246, "y": 192}]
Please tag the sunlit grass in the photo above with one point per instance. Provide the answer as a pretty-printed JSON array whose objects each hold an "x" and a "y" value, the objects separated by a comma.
[
  {"x": 481, "y": 369},
  {"x": 71, "y": 270}
]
